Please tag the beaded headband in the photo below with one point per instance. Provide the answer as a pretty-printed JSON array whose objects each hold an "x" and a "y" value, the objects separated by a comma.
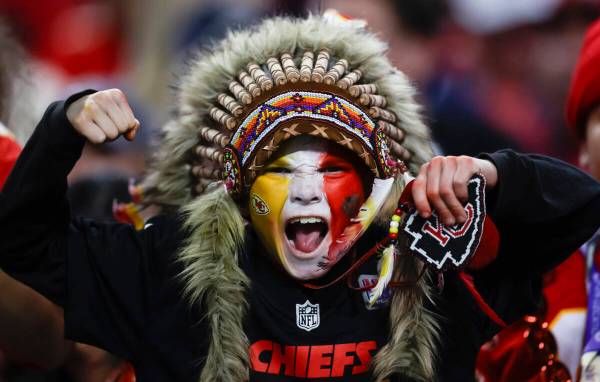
[{"x": 277, "y": 101}]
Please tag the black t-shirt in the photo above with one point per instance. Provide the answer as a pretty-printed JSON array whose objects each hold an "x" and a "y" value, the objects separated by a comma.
[
  {"x": 124, "y": 295},
  {"x": 121, "y": 289},
  {"x": 297, "y": 333}
]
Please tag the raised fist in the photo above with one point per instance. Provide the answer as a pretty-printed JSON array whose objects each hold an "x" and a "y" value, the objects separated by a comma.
[{"x": 103, "y": 116}]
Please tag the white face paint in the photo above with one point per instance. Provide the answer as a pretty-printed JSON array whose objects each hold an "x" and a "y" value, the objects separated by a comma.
[
  {"x": 307, "y": 210},
  {"x": 303, "y": 201}
]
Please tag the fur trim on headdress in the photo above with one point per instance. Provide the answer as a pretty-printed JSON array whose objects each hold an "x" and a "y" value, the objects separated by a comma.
[
  {"x": 212, "y": 276},
  {"x": 410, "y": 350},
  {"x": 214, "y": 280}
]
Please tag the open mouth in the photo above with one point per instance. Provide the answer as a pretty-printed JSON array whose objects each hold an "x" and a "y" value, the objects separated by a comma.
[{"x": 306, "y": 233}]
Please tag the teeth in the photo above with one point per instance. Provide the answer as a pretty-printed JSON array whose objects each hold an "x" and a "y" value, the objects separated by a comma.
[{"x": 307, "y": 220}]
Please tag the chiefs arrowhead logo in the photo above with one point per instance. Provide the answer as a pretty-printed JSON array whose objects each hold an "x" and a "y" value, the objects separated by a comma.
[
  {"x": 259, "y": 205},
  {"x": 449, "y": 246}
]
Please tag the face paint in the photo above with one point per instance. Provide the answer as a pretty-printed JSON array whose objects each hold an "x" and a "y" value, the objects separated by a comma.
[
  {"x": 344, "y": 191},
  {"x": 270, "y": 190},
  {"x": 311, "y": 194}
]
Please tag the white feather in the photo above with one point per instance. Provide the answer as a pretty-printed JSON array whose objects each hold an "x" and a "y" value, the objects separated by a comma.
[{"x": 385, "y": 274}]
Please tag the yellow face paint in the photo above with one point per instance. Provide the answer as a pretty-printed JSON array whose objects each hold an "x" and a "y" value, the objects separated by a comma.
[
  {"x": 304, "y": 207},
  {"x": 267, "y": 198}
]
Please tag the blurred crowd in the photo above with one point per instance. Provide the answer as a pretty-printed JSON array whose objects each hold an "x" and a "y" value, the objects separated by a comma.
[{"x": 490, "y": 74}]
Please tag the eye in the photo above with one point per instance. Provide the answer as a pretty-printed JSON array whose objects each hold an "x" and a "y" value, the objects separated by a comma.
[
  {"x": 331, "y": 169},
  {"x": 278, "y": 170}
]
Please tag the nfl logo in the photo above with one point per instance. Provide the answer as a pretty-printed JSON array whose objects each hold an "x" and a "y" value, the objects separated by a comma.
[{"x": 307, "y": 316}]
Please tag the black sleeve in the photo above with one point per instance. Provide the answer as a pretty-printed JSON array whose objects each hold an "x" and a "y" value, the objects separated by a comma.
[
  {"x": 106, "y": 276},
  {"x": 34, "y": 213},
  {"x": 116, "y": 280},
  {"x": 544, "y": 210}
]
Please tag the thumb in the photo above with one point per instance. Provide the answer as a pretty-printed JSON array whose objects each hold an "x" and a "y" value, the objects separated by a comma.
[{"x": 130, "y": 134}]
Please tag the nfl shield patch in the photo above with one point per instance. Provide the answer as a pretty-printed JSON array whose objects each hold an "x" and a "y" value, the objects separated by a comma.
[{"x": 308, "y": 316}]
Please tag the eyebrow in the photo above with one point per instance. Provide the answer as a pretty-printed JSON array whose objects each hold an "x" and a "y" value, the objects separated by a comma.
[{"x": 281, "y": 161}]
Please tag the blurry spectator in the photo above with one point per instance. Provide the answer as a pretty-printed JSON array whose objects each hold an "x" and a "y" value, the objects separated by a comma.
[
  {"x": 81, "y": 37},
  {"x": 11, "y": 60},
  {"x": 9, "y": 152},
  {"x": 583, "y": 115},
  {"x": 69, "y": 41},
  {"x": 21, "y": 347},
  {"x": 499, "y": 70},
  {"x": 450, "y": 88},
  {"x": 94, "y": 196},
  {"x": 572, "y": 288},
  {"x": 81, "y": 362},
  {"x": 443, "y": 60}
]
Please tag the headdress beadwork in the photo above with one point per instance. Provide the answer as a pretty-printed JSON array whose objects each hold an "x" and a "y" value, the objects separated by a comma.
[{"x": 273, "y": 101}]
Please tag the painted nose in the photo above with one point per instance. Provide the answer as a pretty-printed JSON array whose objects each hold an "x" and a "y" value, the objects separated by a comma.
[{"x": 306, "y": 189}]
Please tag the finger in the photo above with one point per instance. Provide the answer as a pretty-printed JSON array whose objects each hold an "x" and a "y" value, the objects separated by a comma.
[
  {"x": 130, "y": 134},
  {"x": 121, "y": 101},
  {"x": 119, "y": 118},
  {"x": 92, "y": 132},
  {"x": 464, "y": 171},
  {"x": 433, "y": 191},
  {"x": 419, "y": 193},
  {"x": 447, "y": 190},
  {"x": 103, "y": 121}
]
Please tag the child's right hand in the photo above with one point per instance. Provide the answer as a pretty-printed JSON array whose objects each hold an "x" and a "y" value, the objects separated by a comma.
[{"x": 103, "y": 116}]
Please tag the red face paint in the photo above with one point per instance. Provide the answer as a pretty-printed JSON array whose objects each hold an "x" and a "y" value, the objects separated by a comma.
[{"x": 344, "y": 190}]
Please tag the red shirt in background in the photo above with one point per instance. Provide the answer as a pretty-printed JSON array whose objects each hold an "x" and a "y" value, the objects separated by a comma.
[{"x": 9, "y": 152}]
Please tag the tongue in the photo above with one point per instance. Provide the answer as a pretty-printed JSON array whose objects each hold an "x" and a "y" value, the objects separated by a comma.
[{"x": 307, "y": 238}]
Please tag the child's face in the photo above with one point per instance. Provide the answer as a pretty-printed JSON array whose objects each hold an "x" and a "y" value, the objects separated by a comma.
[
  {"x": 589, "y": 152},
  {"x": 302, "y": 202}
]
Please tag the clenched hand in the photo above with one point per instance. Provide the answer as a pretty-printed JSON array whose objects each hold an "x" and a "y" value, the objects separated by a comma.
[
  {"x": 103, "y": 116},
  {"x": 442, "y": 184}
]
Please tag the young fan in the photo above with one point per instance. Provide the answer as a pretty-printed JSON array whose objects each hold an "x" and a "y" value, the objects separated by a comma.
[{"x": 286, "y": 251}]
